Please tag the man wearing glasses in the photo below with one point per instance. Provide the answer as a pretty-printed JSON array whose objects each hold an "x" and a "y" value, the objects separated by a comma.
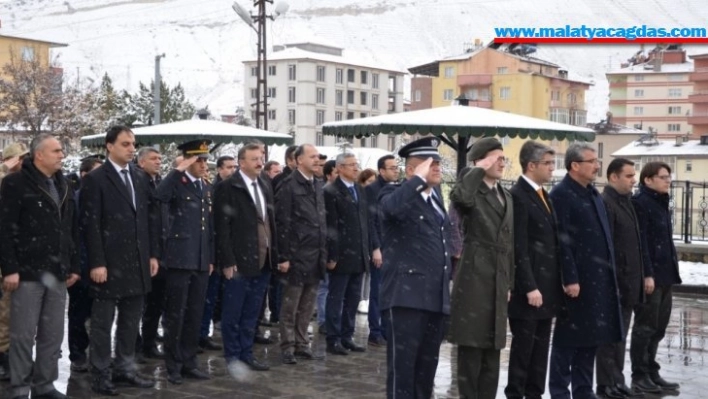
[
  {"x": 651, "y": 318},
  {"x": 591, "y": 316}
]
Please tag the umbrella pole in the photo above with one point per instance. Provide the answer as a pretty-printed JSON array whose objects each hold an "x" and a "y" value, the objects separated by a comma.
[{"x": 462, "y": 143}]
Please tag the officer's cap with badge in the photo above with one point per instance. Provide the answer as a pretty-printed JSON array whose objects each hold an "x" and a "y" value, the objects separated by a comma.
[
  {"x": 199, "y": 148},
  {"x": 424, "y": 148}
]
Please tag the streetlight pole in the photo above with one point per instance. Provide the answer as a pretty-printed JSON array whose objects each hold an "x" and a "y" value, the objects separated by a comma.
[{"x": 156, "y": 90}]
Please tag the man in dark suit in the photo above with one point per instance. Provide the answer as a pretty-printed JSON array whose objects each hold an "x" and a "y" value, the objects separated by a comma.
[
  {"x": 188, "y": 258},
  {"x": 588, "y": 274},
  {"x": 290, "y": 166},
  {"x": 347, "y": 254},
  {"x": 120, "y": 220},
  {"x": 537, "y": 288},
  {"x": 630, "y": 272},
  {"x": 388, "y": 174},
  {"x": 245, "y": 226},
  {"x": 301, "y": 224},
  {"x": 415, "y": 288}
]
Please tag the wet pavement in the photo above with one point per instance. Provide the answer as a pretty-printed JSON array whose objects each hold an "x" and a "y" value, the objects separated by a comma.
[{"x": 682, "y": 355}]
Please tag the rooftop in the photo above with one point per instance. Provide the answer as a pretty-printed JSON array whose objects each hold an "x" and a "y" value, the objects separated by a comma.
[
  {"x": 648, "y": 67},
  {"x": 51, "y": 44},
  {"x": 663, "y": 148}
]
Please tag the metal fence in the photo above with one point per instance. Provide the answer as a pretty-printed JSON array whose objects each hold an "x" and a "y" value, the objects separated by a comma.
[{"x": 688, "y": 206}]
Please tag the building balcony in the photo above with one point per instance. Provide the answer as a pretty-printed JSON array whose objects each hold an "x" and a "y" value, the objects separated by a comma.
[
  {"x": 698, "y": 75},
  {"x": 474, "y": 80},
  {"x": 481, "y": 103},
  {"x": 698, "y": 97},
  {"x": 698, "y": 119},
  {"x": 618, "y": 85}
]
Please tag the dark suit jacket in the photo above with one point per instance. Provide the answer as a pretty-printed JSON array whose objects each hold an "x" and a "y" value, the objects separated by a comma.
[
  {"x": 301, "y": 223},
  {"x": 347, "y": 228},
  {"x": 275, "y": 183},
  {"x": 119, "y": 236},
  {"x": 236, "y": 223},
  {"x": 372, "y": 199},
  {"x": 535, "y": 254},
  {"x": 416, "y": 268},
  {"x": 189, "y": 243}
]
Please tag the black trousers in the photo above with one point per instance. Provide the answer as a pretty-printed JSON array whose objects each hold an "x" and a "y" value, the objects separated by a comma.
[
  {"x": 154, "y": 308},
  {"x": 186, "y": 294},
  {"x": 528, "y": 358},
  {"x": 477, "y": 372},
  {"x": 609, "y": 360},
  {"x": 571, "y": 366},
  {"x": 79, "y": 311},
  {"x": 650, "y": 321},
  {"x": 414, "y": 337},
  {"x": 130, "y": 310},
  {"x": 340, "y": 309}
]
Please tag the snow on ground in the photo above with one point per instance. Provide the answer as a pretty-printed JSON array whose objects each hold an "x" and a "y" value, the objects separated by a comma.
[{"x": 693, "y": 273}]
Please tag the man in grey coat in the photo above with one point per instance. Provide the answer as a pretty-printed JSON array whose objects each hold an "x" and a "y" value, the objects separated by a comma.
[{"x": 485, "y": 275}]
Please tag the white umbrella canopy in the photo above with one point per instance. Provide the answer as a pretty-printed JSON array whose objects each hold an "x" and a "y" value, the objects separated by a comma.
[
  {"x": 461, "y": 121},
  {"x": 193, "y": 129}
]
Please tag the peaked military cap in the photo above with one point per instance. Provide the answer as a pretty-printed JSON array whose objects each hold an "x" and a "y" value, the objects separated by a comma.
[
  {"x": 427, "y": 147},
  {"x": 195, "y": 147}
]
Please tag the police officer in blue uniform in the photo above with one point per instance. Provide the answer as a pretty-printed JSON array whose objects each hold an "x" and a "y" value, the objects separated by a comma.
[
  {"x": 188, "y": 258},
  {"x": 415, "y": 292}
]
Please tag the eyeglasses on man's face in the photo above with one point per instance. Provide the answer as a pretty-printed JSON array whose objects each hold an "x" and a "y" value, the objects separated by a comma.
[{"x": 663, "y": 177}]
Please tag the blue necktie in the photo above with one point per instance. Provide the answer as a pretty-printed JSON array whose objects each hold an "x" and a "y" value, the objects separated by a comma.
[{"x": 352, "y": 190}]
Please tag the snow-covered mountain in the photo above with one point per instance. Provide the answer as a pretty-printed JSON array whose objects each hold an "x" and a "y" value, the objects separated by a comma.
[{"x": 205, "y": 41}]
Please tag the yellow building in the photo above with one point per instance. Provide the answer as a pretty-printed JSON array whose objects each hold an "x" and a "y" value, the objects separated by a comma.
[{"x": 505, "y": 79}]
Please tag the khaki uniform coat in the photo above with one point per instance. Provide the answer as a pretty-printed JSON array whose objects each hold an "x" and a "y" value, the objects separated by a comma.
[{"x": 486, "y": 270}]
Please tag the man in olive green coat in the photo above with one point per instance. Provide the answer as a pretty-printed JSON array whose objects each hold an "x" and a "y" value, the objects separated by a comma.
[{"x": 485, "y": 274}]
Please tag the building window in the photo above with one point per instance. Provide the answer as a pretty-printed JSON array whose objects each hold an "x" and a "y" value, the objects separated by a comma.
[
  {"x": 555, "y": 95},
  {"x": 351, "y": 75},
  {"x": 320, "y": 74},
  {"x": 319, "y": 139},
  {"x": 417, "y": 96},
  {"x": 291, "y": 117},
  {"x": 350, "y": 115},
  {"x": 27, "y": 53},
  {"x": 374, "y": 101},
  {"x": 375, "y": 80},
  {"x": 271, "y": 114},
  {"x": 340, "y": 76},
  {"x": 676, "y": 78},
  {"x": 638, "y": 93},
  {"x": 689, "y": 166},
  {"x": 674, "y": 92},
  {"x": 449, "y": 72},
  {"x": 364, "y": 97},
  {"x": 350, "y": 96},
  {"x": 600, "y": 149},
  {"x": 448, "y": 95},
  {"x": 560, "y": 115},
  {"x": 338, "y": 116},
  {"x": 339, "y": 98},
  {"x": 362, "y": 142},
  {"x": 271, "y": 92},
  {"x": 271, "y": 70},
  {"x": 254, "y": 71},
  {"x": 363, "y": 115},
  {"x": 505, "y": 93},
  {"x": 364, "y": 78},
  {"x": 254, "y": 93},
  {"x": 572, "y": 99},
  {"x": 292, "y": 72},
  {"x": 638, "y": 78},
  {"x": 638, "y": 110},
  {"x": 391, "y": 142},
  {"x": 674, "y": 127},
  {"x": 253, "y": 115},
  {"x": 374, "y": 141},
  {"x": 502, "y": 70},
  {"x": 320, "y": 95},
  {"x": 292, "y": 98},
  {"x": 674, "y": 110},
  {"x": 320, "y": 117}
]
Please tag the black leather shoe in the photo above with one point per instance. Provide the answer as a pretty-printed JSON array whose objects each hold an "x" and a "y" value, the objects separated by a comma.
[
  {"x": 377, "y": 341},
  {"x": 133, "y": 379},
  {"x": 337, "y": 349},
  {"x": 261, "y": 340},
  {"x": 663, "y": 384},
  {"x": 609, "y": 392},
  {"x": 255, "y": 365},
  {"x": 153, "y": 353},
  {"x": 53, "y": 394},
  {"x": 209, "y": 344},
  {"x": 103, "y": 386},
  {"x": 174, "y": 378},
  {"x": 306, "y": 354},
  {"x": 628, "y": 392},
  {"x": 196, "y": 374},
  {"x": 352, "y": 346},
  {"x": 645, "y": 384},
  {"x": 288, "y": 358}
]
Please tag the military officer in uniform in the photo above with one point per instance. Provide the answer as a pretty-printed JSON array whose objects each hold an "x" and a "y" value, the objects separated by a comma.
[
  {"x": 415, "y": 288},
  {"x": 188, "y": 258}
]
